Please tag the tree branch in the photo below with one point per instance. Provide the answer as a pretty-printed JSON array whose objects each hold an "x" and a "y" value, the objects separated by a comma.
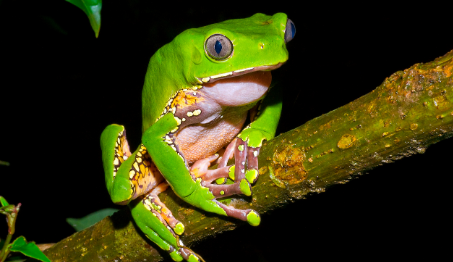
[{"x": 409, "y": 111}]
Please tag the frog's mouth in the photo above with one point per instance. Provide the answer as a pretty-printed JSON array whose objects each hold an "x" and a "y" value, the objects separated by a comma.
[
  {"x": 240, "y": 87},
  {"x": 211, "y": 79}
]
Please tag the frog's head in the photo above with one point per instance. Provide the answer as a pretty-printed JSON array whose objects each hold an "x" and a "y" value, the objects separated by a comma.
[
  {"x": 234, "y": 51},
  {"x": 237, "y": 51}
]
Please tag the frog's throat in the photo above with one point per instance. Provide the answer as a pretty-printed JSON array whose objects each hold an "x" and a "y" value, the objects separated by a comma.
[{"x": 211, "y": 79}]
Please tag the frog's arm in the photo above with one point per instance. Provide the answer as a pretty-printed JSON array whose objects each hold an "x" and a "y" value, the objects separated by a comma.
[{"x": 130, "y": 176}]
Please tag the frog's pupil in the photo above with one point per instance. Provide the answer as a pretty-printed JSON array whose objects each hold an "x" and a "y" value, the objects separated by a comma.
[
  {"x": 293, "y": 30},
  {"x": 218, "y": 46}
]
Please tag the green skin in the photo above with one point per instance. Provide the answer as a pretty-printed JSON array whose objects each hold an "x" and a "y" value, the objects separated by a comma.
[{"x": 182, "y": 64}]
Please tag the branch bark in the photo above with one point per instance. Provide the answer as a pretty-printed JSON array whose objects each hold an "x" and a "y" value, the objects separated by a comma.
[{"x": 409, "y": 111}]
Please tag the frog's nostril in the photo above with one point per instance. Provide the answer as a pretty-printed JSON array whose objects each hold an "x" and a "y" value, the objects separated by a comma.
[{"x": 262, "y": 45}]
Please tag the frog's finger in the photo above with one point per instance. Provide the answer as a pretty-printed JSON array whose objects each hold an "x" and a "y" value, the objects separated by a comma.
[
  {"x": 252, "y": 164},
  {"x": 240, "y": 156}
]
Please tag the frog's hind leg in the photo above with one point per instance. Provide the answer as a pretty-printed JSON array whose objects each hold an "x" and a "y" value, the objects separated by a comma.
[
  {"x": 152, "y": 201},
  {"x": 133, "y": 179}
]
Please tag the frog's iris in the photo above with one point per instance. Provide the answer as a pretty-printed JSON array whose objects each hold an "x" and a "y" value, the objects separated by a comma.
[{"x": 218, "y": 47}]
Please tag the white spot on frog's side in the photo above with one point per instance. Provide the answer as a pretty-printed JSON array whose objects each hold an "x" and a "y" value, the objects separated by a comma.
[
  {"x": 178, "y": 121},
  {"x": 196, "y": 112},
  {"x": 180, "y": 242},
  {"x": 124, "y": 157},
  {"x": 189, "y": 114},
  {"x": 194, "y": 93},
  {"x": 205, "y": 79},
  {"x": 243, "y": 163},
  {"x": 174, "y": 130},
  {"x": 173, "y": 147},
  {"x": 183, "y": 119},
  {"x": 255, "y": 153},
  {"x": 242, "y": 170}
]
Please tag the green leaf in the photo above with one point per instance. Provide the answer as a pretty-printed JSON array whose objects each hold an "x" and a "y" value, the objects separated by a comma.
[
  {"x": 92, "y": 9},
  {"x": 3, "y": 201},
  {"x": 28, "y": 249},
  {"x": 80, "y": 224}
]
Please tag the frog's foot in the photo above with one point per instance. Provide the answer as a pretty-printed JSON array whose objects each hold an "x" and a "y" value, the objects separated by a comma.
[
  {"x": 200, "y": 170},
  {"x": 161, "y": 234},
  {"x": 160, "y": 210}
]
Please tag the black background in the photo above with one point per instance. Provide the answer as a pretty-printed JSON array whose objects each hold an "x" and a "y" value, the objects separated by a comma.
[{"x": 60, "y": 87}]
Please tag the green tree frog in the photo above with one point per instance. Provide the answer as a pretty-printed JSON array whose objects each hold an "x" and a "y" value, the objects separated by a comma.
[{"x": 198, "y": 93}]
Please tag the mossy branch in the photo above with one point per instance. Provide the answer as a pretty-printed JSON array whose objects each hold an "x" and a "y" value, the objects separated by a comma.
[{"x": 409, "y": 111}]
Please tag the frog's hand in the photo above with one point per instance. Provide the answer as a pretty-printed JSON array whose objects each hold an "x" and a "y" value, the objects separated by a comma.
[
  {"x": 154, "y": 219},
  {"x": 192, "y": 189},
  {"x": 250, "y": 140}
]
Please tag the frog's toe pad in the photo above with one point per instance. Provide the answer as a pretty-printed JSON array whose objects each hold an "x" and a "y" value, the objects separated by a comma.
[
  {"x": 245, "y": 187},
  {"x": 251, "y": 175},
  {"x": 179, "y": 228},
  {"x": 176, "y": 256},
  {"x": 193, "y": 258},
  {"x": 253, "y": 218}
]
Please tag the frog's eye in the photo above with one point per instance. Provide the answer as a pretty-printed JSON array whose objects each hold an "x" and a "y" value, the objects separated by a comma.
[
  {"x": 290, "y": 31},
  {"x": 218, "y": 47}
]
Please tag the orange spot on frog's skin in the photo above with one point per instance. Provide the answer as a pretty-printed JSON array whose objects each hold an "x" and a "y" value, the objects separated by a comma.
[
  {"x": 196, "y": 172},
  {"x": 184, "y": 99}
]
